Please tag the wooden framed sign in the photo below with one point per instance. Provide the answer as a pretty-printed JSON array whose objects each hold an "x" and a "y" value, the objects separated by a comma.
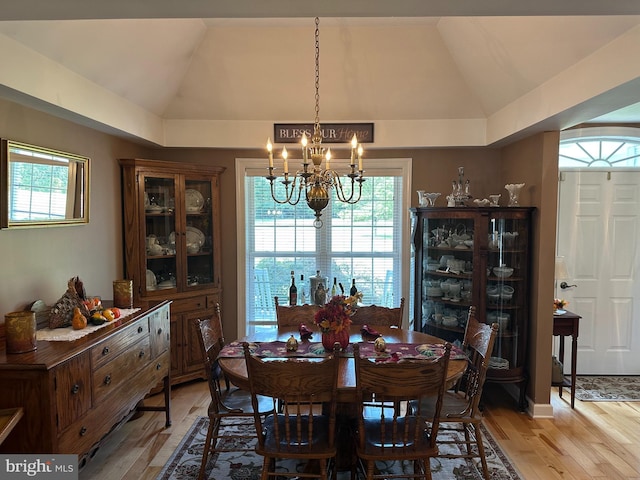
[{"x": 331, "y": 132}]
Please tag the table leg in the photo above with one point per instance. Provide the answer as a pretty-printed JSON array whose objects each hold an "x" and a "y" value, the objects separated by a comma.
[
  {"x": 561, "y": 359},
  {"x": 574, "y": 357}
]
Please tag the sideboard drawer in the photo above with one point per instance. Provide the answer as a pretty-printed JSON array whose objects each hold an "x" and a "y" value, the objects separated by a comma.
[
  {"x": 121, "y": 369},
  {"x": 90, "y": 429},
  {"x": 159, "y": 328},
  {"x": 111, "y": 348},
  {"x": 72, "y": 383}
]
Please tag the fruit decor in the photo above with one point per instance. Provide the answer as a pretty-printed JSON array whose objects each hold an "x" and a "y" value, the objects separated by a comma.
[{"x": 75, "y": 309}]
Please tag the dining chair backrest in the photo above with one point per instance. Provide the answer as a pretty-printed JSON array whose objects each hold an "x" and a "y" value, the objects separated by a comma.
[
  {"x": 377, "y": 315},
  {"x": 302, "y": 422},
  {"x": 390, "y": 387},
  {"x": 294, "y": 315},
  {"x": 478, "y": 342},
  {"x": 211, "y": 343}
]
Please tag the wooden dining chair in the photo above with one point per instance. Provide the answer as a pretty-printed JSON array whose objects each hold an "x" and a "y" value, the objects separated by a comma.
[
  {"x": 302, "y": 422},
  {"x": 294, "y": 315},
  {"x": 376, "y": 315},
  {"x": 230, "y": 406},
  {"x": 391, "y": 431},
  {"x": 460, "y": 410}
]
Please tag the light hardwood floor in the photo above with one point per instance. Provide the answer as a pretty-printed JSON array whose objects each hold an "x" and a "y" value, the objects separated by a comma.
[{"x": 596, "y": 440}]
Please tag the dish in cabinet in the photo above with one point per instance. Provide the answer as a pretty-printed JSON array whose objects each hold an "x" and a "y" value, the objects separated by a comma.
[
  {"x": 151, "y": 280},
  {"x": 194, "y": 201}
]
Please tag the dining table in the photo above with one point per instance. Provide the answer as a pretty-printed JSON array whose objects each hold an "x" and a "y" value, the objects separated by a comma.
[{"x": 233, "y": 365}]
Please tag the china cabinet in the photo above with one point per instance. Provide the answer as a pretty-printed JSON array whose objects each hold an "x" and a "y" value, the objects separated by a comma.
[
  {"x": 171, "y": 225},
  {"x": 467, "y": 256}
]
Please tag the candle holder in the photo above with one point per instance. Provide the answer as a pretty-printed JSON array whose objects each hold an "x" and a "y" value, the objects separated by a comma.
[
  {"x": 20, "y": 330},
  {"x": 123, "y": 293}
]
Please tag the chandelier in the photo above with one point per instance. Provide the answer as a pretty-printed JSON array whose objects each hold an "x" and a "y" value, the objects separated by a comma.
[{"x": 315, "y": 180}]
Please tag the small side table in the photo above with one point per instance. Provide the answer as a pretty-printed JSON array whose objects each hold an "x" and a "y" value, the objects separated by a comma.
[{"x": 563, "y": 326}]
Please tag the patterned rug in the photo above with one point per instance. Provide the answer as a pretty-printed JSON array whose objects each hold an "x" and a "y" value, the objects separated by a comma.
[
  {"x": 608, "y": 389},
  {"x": 185, "y": 461}
]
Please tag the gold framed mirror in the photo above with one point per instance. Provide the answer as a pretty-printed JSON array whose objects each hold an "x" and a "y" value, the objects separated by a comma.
[{"x": 42, "y": 187}]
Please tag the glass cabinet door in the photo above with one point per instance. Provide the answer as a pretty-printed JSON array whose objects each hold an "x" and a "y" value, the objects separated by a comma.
[
  {"x": 506, "y": 288},
  {"x": 447, "y": 269},
  {"x": 199, "y": 233},
  {"x": 159, "y": 235}
]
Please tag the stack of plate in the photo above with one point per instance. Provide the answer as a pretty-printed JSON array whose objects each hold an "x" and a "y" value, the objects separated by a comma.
[{"x": 498, "y": 363}]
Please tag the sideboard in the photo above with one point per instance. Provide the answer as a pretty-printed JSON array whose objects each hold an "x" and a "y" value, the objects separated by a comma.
[{"x": 74, "y": 393}]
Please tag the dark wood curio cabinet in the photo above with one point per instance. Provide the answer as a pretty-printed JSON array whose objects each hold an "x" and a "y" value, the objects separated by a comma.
[
  {"x": 171, "y": 225},
  {"x": 466, "y": 256}
]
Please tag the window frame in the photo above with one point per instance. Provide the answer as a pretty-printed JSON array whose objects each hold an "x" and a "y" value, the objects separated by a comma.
[
  {"x": 378, "y": 165},
  {"x": 601, "y": 135}
]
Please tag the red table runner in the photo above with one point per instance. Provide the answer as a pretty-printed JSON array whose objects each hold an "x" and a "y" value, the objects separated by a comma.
[{"x": 393, "y": 351}]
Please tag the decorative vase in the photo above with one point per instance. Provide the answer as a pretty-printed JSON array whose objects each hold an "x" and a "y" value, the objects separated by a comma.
[
  {"x": 422, "y": 199},
  {"x": 330, "y": 338},
  {"x": 514, "y": 193}
]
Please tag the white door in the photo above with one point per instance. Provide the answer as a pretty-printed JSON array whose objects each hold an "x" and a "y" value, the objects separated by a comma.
[{"x": 598, "y": 228}]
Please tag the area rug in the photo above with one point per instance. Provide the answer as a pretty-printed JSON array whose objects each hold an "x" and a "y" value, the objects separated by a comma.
[
  {"x": 184, "y": 463},
  {"x": 608, "y": 389}
]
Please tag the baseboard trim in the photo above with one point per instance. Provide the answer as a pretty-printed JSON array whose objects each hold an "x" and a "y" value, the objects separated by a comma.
[
  {"x": 539, "y": 410},
  {"x": 534, "y": 410}
]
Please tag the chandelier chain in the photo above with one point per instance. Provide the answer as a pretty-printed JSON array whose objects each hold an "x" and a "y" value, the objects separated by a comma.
[{"x": 317, "y": 46}]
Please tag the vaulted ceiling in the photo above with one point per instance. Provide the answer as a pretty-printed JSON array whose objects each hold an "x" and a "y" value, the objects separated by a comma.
[{"x": 426, "y": 73}]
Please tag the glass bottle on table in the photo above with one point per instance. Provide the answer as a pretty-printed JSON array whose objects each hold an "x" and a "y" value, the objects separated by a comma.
[
  {"x": 303, "y": 292},
  {"x": 334, "y": 288},
  {"x": 353, "y": 289},
  {"x": 293, "y": 290}
]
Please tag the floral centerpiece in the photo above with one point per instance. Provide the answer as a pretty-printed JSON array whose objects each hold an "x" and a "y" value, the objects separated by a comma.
[
  {"x": 559, "y": 304},
  {"x": 334, "y": 319}
]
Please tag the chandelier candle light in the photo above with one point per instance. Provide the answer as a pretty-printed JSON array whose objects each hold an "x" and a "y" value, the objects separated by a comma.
[{"x": 316, "y": 180}]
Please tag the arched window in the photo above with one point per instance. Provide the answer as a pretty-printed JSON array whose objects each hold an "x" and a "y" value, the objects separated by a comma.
[{"x": 600, "y": 147}]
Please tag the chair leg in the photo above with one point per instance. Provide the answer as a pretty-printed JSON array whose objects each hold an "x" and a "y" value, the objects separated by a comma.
[
  {"x": 371, "y": 465},
  {"x": 266, "y": 468},
  {"x": 323, "y": 470},
  {"x": 467, "y": 438},
  {"x": 483, "y": 458},
  {"x": 426, "y": 468},
  {"x": 208, "y": 445}
]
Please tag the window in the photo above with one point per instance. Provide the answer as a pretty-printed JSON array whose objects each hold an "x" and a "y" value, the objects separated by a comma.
[
  {"x": 39, "y": 186},
  {"x": 363, "y": 241},
  {"x": 600, "y": 147}
]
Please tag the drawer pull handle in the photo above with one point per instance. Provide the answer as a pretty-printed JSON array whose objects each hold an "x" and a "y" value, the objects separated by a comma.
[
  {"x": 158, "y": 366},
  {"x": 105, "y": 350},
  {"x": 83, "y": 431},
  {"x": 140, "y": 329},
  {"x": 159, "y": 331},
  {"x": 141, "y": 354},
  {"x": 107, "y": 380},
  {"x": 75, "y": 389}
]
